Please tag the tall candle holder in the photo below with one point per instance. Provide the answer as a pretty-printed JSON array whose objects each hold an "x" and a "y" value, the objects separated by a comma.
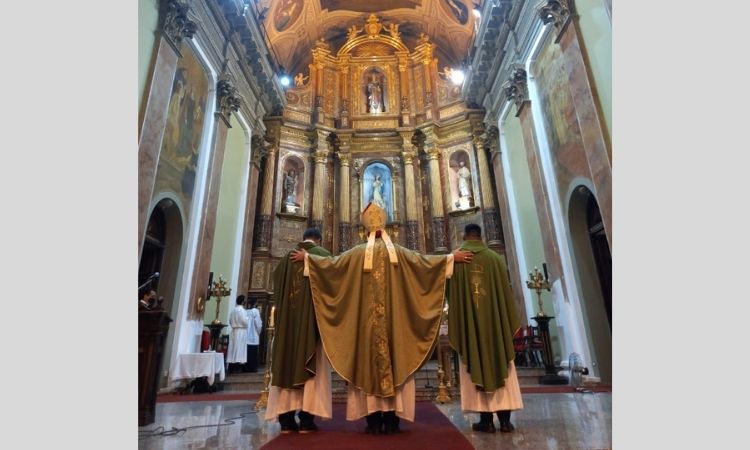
[
  {"x": 263, "y": 399},
  {"x": 537, "y": 283},
  {"x": 219, "y": 290},
  {"x": 443, "y": 371}
]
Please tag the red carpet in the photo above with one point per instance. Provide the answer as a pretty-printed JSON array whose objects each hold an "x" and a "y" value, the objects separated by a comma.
[
  {"x": 215, "y": 397},
  {"x": 431, "y": 430}
]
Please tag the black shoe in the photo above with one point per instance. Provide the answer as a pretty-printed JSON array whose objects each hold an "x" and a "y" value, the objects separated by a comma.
[
  {"x": 391, "y": 422},
  {"x": 306, "y": 423},
  {"x": 288, "y": 424},
  {"x": 505, "y": 425},
  {"x": 374, "y": 423},
  {"x": 486, "y": 424}
]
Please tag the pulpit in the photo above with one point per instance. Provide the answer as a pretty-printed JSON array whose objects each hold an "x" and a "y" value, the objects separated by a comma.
[{"x": 152, "y": 328}]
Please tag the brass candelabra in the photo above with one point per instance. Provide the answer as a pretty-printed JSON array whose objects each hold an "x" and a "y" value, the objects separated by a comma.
[
  {"x": 219, "y": 290},
  {"x": 537, "y": 283},
  {"x": 442, "y": 396},
  {"x": 263, "y": 399}
]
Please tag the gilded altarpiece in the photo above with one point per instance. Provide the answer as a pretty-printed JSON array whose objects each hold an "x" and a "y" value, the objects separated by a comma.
[{"x": 356, "y": 129}]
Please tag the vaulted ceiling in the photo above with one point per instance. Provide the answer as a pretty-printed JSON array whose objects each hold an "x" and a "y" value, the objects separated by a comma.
[{"x": 293, "y": 26}]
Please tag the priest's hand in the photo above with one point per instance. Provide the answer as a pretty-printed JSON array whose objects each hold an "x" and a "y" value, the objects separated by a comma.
[
  {"x": 462, "y": 256},
  {"x": 298, "y": 255}
]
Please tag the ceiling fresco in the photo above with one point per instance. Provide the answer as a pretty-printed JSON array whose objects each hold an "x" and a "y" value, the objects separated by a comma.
[{"x": 293, "y": 26}]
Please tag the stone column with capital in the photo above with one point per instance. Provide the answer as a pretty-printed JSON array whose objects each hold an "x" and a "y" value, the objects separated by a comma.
[
  {"x": 490, "y": 213},
  {"x": 344, "y": 211},
  {"x": 265, "y": 218},
  {"x": 320, "y": 180},
  {"x": 440, "y": 236},
  {"x": 412, "y": 219},
  {"x": 175, "y": 26},
  {"x": 227, "y": 102},
  {"x": 403, "y": 66},
  {"x": 257, "y": 152}
]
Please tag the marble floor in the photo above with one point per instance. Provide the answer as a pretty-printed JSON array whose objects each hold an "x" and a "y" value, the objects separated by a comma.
[{"x": 548, "y": 421}]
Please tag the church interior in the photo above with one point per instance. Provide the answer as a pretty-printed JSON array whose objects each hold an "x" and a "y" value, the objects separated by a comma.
[{"x": 259, "y": 119}]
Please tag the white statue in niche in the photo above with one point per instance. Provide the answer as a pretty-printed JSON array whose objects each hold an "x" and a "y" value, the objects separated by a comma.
[
  {"x": 464, "y": 186},
  {"x": 290, "y": 192},
  {"x": 377, "y": 192}
]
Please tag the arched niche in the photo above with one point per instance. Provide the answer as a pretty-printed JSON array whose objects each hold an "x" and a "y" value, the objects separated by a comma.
[
  {"x": 293, "y": 185},
  {"x": 376, "y": 185},
  {"x": 461, "y": 176}
]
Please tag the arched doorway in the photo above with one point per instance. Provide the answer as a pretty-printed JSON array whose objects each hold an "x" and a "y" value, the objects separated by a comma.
[
  {"x": 593, "y": 261},
  {"x": 162, "y": 252}
]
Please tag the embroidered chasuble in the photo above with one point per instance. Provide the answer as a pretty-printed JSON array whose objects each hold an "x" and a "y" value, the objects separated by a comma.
[
  {"x": 379, "y": 326},
  {"x": 482, "y": 316},
  {"x": 293, "y": 360}
]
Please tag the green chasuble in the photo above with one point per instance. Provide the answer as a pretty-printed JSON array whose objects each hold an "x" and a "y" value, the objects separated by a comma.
[
  {"x": 482, "y": 316},
  {"x": 296, "y": 335},
  {"x": 378, "y": 327}
]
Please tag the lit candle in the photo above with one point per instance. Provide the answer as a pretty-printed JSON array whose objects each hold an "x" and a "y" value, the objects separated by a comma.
[
  {"x": 546, "y": 275},
  {"x": 273, "y": 310}
]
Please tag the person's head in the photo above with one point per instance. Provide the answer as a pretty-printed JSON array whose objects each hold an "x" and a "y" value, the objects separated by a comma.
[
  {"x": 251, "y": 302},
  {"x": 292, "y": 172},
  {"x": 472, "y": 231},
  {"x": 313, "y": 234},
  {"x": 240, "y": 299},
  {"x": 146, "y": 293},
  {"x": 460, "y": 164}
]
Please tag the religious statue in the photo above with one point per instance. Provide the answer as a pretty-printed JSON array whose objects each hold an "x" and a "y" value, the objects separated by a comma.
[
  {"x": 290, "y": 191},
  {"x": 464, "y": 186},
  {"x": 374, "y": 95},
  {"x": 393, "y": 29},
  {"x": 353, "y": 31},
  {"x": 377, "y": 192},
  {"x": 299, "y": 79}
]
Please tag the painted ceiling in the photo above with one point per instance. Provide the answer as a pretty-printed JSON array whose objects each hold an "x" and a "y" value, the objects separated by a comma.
[{"x": 293, "y": 26}]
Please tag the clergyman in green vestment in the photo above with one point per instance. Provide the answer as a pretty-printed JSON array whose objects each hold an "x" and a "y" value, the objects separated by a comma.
[
  {"x": 300, "y": 371},
  {"x": 378, "y": 306},
  {"x": 482, "y": 318}
]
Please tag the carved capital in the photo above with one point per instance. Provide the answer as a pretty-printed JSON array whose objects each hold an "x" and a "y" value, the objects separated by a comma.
[
  {"x": 432, "y": 152},
  {"x": 257, "y": 151},
  {"x": 408, "y": 157},
  {"x": 320, "y": 156},
  {"x": 516, "y": 88},
  {"x": 344, "y": 159},
  {"x": 175, "y": 23},
  {"x": 558, "y": 13},
  {"x": 227, "y": 98}
]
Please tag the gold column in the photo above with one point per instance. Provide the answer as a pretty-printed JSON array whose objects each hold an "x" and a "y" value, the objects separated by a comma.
[
  {"x": 320, "y": 154},
  {"x": 403, "y": 60}
]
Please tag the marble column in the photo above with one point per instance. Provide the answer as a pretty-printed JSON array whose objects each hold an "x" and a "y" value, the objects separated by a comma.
[
  {"x": 493, "y": 230},
  {"x": 265, "y": 218},
  {"x": 227, "y": 101},
  {"x": 320, "y": 182},
  {"x": 344, "y": 200},
  {"x": 440, "y": 236},
  {"x": 516, "y": 90},
  {"x": 256, "y": 154},
  {"x": 174, "y": 27},
  {"x": 412, "y": 218}
]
